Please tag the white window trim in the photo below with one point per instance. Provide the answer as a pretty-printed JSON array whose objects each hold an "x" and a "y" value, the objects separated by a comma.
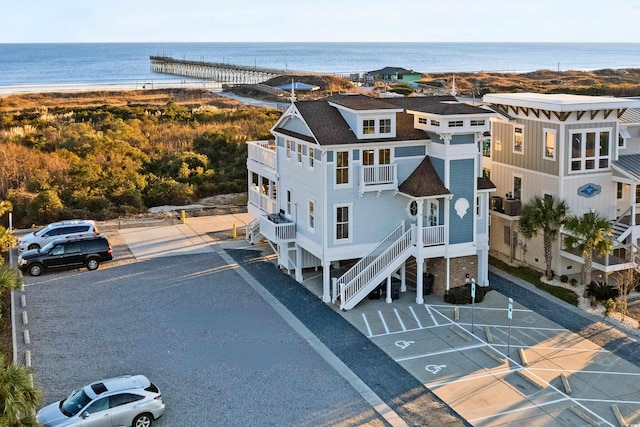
[
  {"x": 479, "y": 210},
  {"x": 312, "y": 227},
  {"x": 288, "y": 202},
  {"x": 554, "y": 132},
  {"x": 349, "y": 184},
  {"x": 409, "y": 213},
  {"x": 597, "y": 157},
  {"x": 311, "y": 161},
  {"x": 513, "y": 185},
  {"x": 350, "y": 224},
  {"x": 288, "y": 145},
  {"x": 513, "y": 145},
  {"x": 299, "y": 155}
]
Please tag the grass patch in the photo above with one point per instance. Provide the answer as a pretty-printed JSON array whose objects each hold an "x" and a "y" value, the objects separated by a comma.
[{"x": 532, "y": 276}]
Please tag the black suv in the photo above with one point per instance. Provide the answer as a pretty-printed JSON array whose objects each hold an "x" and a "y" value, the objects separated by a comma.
[{"x": 67, "y": 253}]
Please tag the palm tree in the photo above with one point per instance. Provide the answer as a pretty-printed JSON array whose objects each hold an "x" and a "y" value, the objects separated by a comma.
[
  {"x": 588, "y": 233},
  {"x": 19, "y": 398},
  {"x": 544, "y": 214},
  {"x": 9, "y": 279}
]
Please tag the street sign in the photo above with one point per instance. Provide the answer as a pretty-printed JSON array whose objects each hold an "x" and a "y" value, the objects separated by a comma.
[
  {"x": 510, "y": 309},
  {"x": 473, "y": 288}
]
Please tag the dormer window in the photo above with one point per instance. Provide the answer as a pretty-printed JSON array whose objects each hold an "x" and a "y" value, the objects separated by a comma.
[
  {"x": 456, "y": 124},
  {"x": 368, "y": 127},
  {"x": 385, "y": 126},
  {"x": 435, "y": 122}
]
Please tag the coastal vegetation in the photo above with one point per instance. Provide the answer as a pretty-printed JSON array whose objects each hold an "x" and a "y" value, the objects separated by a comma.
[{"x": 85, "y": 160}]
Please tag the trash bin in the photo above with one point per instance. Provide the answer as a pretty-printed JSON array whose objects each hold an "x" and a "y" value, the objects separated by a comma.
[
  {"x": 427, "y": 283},
  {"x": 375, "y": 294},
  {"x": 395, "y": 288}
]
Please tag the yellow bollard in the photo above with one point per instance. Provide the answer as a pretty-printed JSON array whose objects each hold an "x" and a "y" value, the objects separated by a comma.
[
  {"x": 183, "y": 216},
  {"x": 235, "y": 233}
]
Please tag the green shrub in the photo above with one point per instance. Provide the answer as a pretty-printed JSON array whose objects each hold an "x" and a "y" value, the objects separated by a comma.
[
  {"x": 609, "y": 306},
  {"x": 573, "y": 281},
  {"x": 462, "y": 294},
  {"x": 564, "y": 278},
  {"x": 602, "y": 291}
]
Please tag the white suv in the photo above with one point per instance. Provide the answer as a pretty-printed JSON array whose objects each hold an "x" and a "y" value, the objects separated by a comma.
[{"x": 57, "y": 230}]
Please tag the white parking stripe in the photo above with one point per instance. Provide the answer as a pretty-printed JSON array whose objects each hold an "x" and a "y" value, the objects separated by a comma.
[
  {"x": 364, "y": 317},
  {"x": 513, "y": 411},
  {"x": 386, "y": 328},
  {"x": 399, "y": 319},
  {"x": 415, "y": 317},
  {"x": 433, "y": 318},
  {"x": 451, "y": 350}
]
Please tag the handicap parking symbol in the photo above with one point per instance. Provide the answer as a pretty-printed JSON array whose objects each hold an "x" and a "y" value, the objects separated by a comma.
[
  {"x": 434, "y": 369},
  {"x": 404, "y": 344}
]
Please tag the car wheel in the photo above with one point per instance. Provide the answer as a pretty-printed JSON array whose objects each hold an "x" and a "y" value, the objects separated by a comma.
[
  {"x": 35, "y": 269},
  {"x": 143, "y": 420},
  {"x": 92, "y": 264},
  {"x": 33, "y": 246}
]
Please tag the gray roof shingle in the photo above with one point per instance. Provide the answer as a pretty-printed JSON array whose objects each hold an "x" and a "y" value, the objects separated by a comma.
[{"x": 423, "y": 182}]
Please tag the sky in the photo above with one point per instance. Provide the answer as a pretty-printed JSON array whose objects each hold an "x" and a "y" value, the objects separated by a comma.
[{"x": 80, "y": 21}]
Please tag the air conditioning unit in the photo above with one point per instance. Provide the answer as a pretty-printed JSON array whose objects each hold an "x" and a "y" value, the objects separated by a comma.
[
  {"x": 496, "y": 203},
  {"x": 512, "y": 207}
]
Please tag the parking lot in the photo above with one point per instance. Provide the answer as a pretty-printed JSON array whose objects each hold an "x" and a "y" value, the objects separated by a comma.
[
  {"x": 197, "y": 325},
  {"x": 217, "y": 350}
]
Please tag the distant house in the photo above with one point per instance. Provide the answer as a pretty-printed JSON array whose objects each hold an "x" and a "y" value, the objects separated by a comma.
[
  {"x": 395, "y": 75},
  {"x": 388, "y": 182}
]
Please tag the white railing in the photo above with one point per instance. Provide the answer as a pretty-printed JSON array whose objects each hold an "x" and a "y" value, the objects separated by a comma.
[
  {"x": 252, "y": 230},
  {"x": 277, "y": 232},
  {"x": 262, "y": 152},
  {"x": 372, "y": 264},
  {"x": 378, "y": 177},
  {"x": 433, "y": 235},
  {"x": 264, "y": 202}
]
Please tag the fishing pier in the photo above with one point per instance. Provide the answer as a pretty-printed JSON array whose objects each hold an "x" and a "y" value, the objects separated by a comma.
[{"x": 220, "y": 72}]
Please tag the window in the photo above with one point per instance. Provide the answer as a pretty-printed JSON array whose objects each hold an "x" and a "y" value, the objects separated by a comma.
[
  {"x": 477, "y": 122},
  {"x": 433, "y": 213},
  {"x": 486, "y": 148},
  {"x": 299, "y": 152},
  {"x": 342, "y": 167},
  {"x": 518, "y": 140},
  {"x": 435, "y": 123},
  {"x": 124, "y": 399},
  {"x": 422, "y": 120},
  {"x": 456, "y": 124},
  {"x": 98, "y": 405},
  {"x": 312, "y": 215},
  {"x": 310, "y": 159},
  {"x": 619, "y": 191},
  {"x": 638, "y": 194},
  {"x": 549, "y": 144},
  {"x": 590, "y": 150},
  {"x": 255, "y": 181},
  {"x": 343, "y": 223},
  {"x": 288, "y": 202},
  {"x": 368, "y": 127},
  {"x": 517, "y": 187},
  {"x": 486, "y": 173},
  {"x": 413, "y": 208},
  {"x": 288, "y": 149},
  {"x": 385, "y": 126},
  {"x": 498, "y": 145},
  {"x": 368, "y": 157},
  {"x": 478, "y": 206}
]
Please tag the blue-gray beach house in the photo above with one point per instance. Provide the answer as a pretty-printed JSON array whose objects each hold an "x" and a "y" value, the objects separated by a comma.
[{"x": 362, "y": 187}]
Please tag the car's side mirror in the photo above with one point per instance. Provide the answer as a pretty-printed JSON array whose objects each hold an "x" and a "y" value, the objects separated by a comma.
[{"x": 85, "y": 415}]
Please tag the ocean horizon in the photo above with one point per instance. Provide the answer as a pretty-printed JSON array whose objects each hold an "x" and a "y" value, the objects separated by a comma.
[{"x": 65, "y": 65}]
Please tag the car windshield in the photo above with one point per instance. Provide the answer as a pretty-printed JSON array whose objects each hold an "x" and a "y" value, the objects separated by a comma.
[
  {"x": 74, "y": 403},
  {"x": 43, "y": 231},
  {"x": 47, "y": 248}
]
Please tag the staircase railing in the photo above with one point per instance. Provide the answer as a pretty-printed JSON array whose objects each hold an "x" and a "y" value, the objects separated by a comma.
[
  {"x": 620, "y": 229},
  {"x": 370, "y": 267},
  {"x": 253, "y": 230}
]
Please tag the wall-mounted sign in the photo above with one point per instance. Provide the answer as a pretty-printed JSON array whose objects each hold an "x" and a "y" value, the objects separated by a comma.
[{"x": 589, "y": 190}]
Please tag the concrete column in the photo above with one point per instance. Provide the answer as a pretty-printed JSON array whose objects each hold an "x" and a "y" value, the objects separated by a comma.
[
  {"x": 298, "y": 264},
  {"x": 419, "y": 283},
  {"x": 388, "y": 300},
  {"x": 403, "y": 277},
  {"x": 326, "y": 282}
]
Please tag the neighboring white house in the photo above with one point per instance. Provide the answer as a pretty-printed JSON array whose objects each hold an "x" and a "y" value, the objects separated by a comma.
[
  {"x": 378, "y": 181},
  {"x": 584, "y": 150}
]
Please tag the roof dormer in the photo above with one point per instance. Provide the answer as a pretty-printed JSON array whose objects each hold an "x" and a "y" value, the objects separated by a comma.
[{"x": 368, "y": 118}]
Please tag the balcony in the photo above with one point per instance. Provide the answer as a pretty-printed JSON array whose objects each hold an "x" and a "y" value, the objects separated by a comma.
[
  {"x": 277, "y": 228},
  {"x": 260, "y": 200},
  {"x": 431, "y": 236},
  {"x": 378, "y": 178},
  {"x": 262, "y": 152}
]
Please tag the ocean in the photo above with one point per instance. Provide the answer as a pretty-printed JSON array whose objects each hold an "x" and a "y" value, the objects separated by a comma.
[{"x": 127, "y": 64}]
